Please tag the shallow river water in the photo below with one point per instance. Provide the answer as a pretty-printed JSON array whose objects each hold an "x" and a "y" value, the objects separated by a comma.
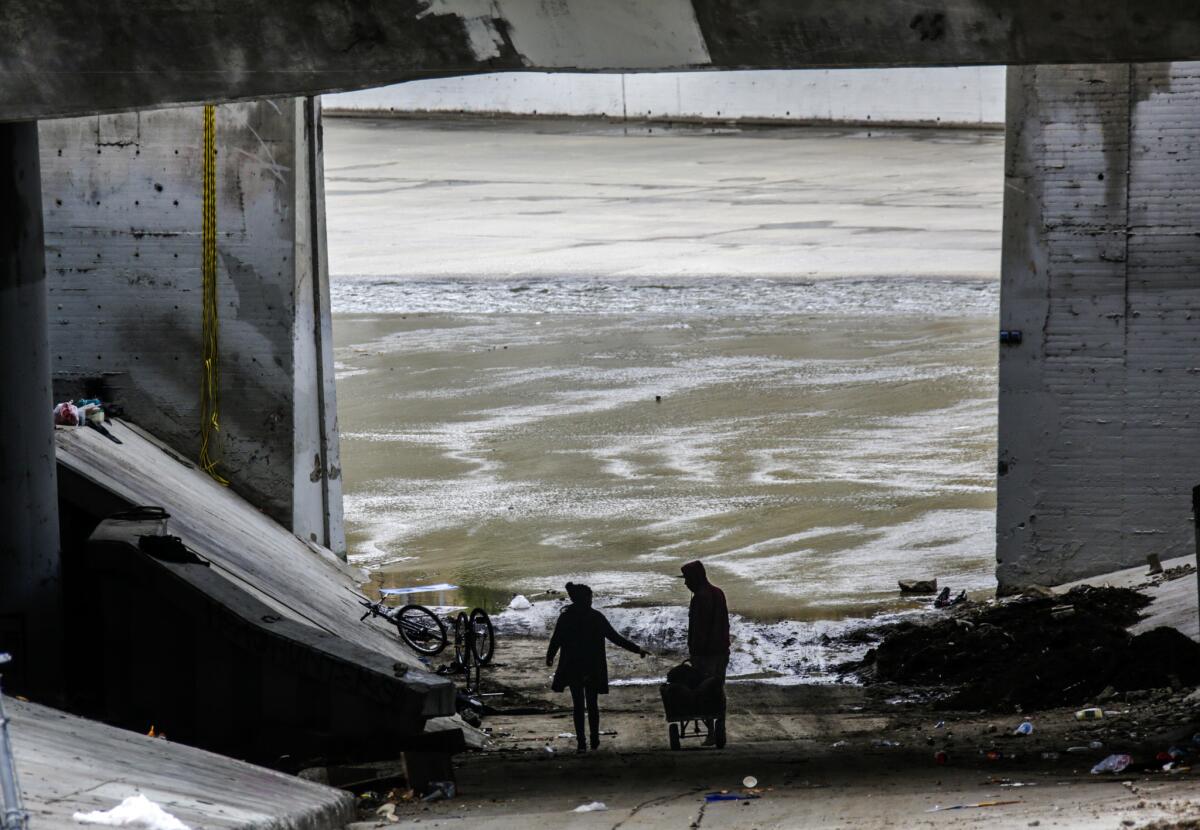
[{"x": 812, "y": 441}]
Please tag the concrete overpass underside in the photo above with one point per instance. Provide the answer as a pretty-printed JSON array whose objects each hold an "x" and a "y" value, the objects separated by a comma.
[{"x": 64, "y": 58}]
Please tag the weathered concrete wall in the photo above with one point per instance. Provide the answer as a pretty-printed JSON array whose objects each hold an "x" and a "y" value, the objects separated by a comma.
[
  {"x": 960, "y": 96},
  {"x": 122, "y": 198},
  {"x": 1100, "y": 403},
  {"x": 66, "y": 58}
]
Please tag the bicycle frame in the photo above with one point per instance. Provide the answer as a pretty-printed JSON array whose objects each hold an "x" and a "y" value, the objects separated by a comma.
[{"x": 15, "y": 817}]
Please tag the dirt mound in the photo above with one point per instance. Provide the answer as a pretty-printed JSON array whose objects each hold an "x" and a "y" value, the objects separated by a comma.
[
  {"x": 1160, "y": 657},
  {"x": 1033, "y": 652}
]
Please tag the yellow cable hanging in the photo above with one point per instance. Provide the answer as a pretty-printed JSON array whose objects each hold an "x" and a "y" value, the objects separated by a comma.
[{"x": 210, "y": 426}]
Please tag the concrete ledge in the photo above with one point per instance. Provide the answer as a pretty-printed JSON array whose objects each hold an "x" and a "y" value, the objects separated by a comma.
[
  {"x": 67, "y": 764},
  {"x": 672, "y": 120}
]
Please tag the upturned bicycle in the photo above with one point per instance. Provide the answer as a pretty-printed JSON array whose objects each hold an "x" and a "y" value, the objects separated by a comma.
[{"x": 423, "y": 632}]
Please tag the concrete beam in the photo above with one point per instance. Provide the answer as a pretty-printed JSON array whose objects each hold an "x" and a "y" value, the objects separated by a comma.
[{"x": 65, "y": 58}]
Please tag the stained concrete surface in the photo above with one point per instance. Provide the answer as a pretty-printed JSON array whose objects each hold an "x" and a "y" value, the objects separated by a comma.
[
  {"x": 555, "y": 199},
  {"x": 122, "y": 197},
  {"x": 300, "y": 581},
  {"x": 67, "y": 764},
  {"x": 69, "y": 58},
  {"x": 1098, "y": 446}
]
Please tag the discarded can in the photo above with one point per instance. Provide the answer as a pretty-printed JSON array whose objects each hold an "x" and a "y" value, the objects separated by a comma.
[
  {"x": 941, "y": 758},
  {"x": 1091, "y": 713}
]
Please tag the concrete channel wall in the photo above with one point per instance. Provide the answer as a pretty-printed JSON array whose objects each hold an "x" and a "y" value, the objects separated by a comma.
[
  {"x": 122, "y": 200},
  {"x": 1099, "y": 439},
  {"x": 954, "y": 96}
]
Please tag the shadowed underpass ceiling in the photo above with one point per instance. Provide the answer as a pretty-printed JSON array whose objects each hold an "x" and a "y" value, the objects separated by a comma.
[{"x": 66, "y": 58}]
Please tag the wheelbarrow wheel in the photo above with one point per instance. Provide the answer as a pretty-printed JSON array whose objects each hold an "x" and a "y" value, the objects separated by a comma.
[
  {"x": 673, "y": 735},
  {"x": 719, "y": 729}
]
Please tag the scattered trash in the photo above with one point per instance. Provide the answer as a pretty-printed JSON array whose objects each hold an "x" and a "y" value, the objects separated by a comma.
[
  {"x": 1095, "y": 744},
  {"x": 1113, "y": 763},
  {"x": 972, "y": 806},
  {"x": 1091, "y": 713},
  {"x": 1061, "y": 612},
  {"x": 1015, "y": 784},
  {"x": 918, "y": 586},
  {"x": 1025, "y": 728},
  {"x": 1067, "y": 663},
  {"x": 439, "y": 790},
  {"x": 944, "y": 600},
  {"x": 86, "y": 412},
  {"x": 66, "y": 414},
  {"x": 940, "y": 725},
  {"x": 994, "y": 755},
  {"x": 749, "y": 782},
  {"x": 519, "y": 603},
  {"x": 838, "y": 744},
  {"x": 388, "y": 812},
  {"x": 594, "y": 807},
  {"x": 1078, "y": 750},
  {"x": 886, "y": 744},
  {"x": 725, "y": 796},
  {"x": 134, "y": 810},
  {"x": 941, "y": 758},
  {"x": 549, "y": 749}
]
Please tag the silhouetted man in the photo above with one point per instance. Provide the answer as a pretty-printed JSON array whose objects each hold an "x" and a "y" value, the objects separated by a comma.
[{"x": 708, "y": 629}]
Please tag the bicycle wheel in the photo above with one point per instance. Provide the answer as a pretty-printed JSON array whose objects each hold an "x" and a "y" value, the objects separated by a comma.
[
  {"x": 484, "y": 640},
  {"x": 461, "y": 625},
  {"x": 421, "y": 629}
]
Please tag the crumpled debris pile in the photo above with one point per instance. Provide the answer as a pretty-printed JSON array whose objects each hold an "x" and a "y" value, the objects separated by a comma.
[
  {"x": 1034, "y": 652},
  {"x": 87, "y": 412}
]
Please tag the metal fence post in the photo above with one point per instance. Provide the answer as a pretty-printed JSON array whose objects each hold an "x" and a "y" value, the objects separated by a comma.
[{"x": 15, "y": 817}]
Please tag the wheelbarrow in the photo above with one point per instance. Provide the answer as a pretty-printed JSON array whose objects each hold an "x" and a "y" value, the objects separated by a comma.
[{"x": 689, "y": 711}]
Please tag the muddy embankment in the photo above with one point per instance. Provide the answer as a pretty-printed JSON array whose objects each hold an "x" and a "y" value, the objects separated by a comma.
[{"x": 1031, "y": 652}]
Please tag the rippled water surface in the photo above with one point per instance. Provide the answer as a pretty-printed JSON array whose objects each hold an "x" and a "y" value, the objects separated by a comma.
[
  {"x": 521, "y": 404},
  {"x": 810, "y": 458}
]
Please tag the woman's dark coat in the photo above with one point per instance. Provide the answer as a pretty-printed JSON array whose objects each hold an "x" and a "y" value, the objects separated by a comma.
[{"x": 580, "y": 633}]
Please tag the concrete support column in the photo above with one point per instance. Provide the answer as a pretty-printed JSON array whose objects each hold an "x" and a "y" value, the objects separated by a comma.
[
  {"x": 30, "y": 618},
  {"x": 1099, "y": 438}
]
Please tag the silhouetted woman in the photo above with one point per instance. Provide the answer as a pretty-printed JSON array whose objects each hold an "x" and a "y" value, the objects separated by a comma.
[{"x": 583, "y": 668}]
